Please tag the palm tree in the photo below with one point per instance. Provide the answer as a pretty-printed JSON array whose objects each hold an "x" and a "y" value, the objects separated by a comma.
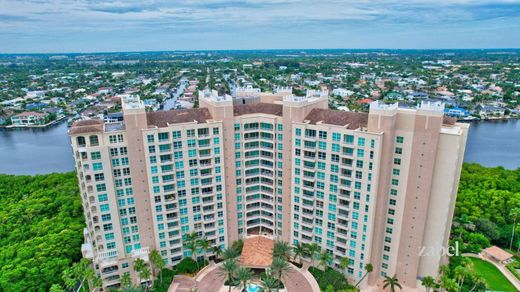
[
  {"x": 229, "y": 253},
  {"x": 460, "y": 273},
  {"x": 479, "y": 284},
  {"x": 269, "y": 284},
  {"x": 282, "y": 249},
  {"x": 217, "y": 251},
  {"x": 392, "y": 283},
  {"x": 244, "y": 275},
  {"x": 229, "y": 269},
  {"x": 448, "y": 284},
  {"x": 344, "y": 262},
  {"x": 145, "y": 275},
  {"x": 96, "y": 283},
  {"x": 139, "y": 265},
  {"x": 428, "y": 282},
  {"x": 126, "y": 280},
  {"x": 157, "y": 262},
  {"x": 280, "y": 267},
  {"x": 190, "y": 241},
  {"x": 205, "y": 245},
  {"x": 368, "y": 269},
  {"x": 299, "y": 250},
  {"x": 312, "y": 250},
  {"x": 324, "y": 259}
]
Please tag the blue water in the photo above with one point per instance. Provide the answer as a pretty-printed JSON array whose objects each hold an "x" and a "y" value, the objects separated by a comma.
[{"x": 36, "y": 151}]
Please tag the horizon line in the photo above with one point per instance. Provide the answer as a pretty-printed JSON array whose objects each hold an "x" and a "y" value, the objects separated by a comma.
[{"x": 265, "y": 50}]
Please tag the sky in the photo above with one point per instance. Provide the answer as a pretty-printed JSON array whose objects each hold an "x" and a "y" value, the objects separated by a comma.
[{"x": 61, "y": 26}]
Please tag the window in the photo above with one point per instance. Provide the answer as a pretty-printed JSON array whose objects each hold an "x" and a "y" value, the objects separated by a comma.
[
  {"x": 95, "y": 155},
  {"x": 398, "y": 150},
  {"x": 397, "y": 161},
  {"x": 399, "y": 139},
  {"x": 150, "y": 138},
  {"x": 94, "y": 140},
  {"x": 163, "y": 136},
  {"x": 97, "y": 166},
  {"x": 396, "y": 171}
]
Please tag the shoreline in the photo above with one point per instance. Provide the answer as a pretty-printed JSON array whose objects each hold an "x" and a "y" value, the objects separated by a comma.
[{"x": 52, "y": 123}]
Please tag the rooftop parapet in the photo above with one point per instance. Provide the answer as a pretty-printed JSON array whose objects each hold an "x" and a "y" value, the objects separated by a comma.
[
  {"x": 376, "y": 105},
  {"x": 212, "y": 96},
  {"x": 283, "y": 90},
  {"x": 245, "y": 91},
  {"x": 310, "y": 96},
  {"x": 131, "y": 102},
  {"x": 436, "y": 106}
]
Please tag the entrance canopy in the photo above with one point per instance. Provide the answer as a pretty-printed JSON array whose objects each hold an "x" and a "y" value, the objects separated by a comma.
[{"x": 257, "y": 252}]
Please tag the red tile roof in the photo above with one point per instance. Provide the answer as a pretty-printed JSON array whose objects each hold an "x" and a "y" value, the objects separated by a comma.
[
  {"x": 264, "y": 108},
  {"x": 86, "y": 126},
  {"x": 163, "y": 118},
  {"x": 354, "y": 120},
  {"x": 257, "y": 252}
]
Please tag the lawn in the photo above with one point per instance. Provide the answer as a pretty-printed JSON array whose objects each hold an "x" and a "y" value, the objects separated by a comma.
[{"x": 495, "y": 280}]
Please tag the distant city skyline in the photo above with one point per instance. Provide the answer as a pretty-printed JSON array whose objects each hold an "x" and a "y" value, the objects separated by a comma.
[{"x": 62, "y": 26}]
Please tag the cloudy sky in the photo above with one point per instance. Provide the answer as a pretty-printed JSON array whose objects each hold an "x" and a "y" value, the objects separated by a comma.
[{"x": 145, "y": 25}]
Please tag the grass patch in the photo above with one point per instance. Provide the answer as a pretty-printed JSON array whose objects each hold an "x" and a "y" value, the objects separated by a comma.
[{"x": 495, "y": 280}]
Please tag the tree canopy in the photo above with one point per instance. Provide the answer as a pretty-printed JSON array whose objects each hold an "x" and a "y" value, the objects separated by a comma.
[{"x": 41, "y": 223}]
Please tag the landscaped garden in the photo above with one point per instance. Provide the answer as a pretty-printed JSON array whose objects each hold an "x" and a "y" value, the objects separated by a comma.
[{"x": 494, "y": 279}]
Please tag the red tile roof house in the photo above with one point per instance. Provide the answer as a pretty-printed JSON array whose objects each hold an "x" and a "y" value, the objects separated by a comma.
[{"x": 29, "y": 119}]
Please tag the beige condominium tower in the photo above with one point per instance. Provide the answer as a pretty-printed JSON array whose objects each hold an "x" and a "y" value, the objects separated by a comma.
[{"x": 375, "y": 187}]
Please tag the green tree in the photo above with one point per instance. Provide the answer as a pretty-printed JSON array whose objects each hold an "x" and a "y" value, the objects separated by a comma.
[
  {"x": 244, "y": 275},
  {"x": 139, "y": 266},
  {"x": 368, "y": 269},
  {"x": 157, "y": 262},
  {"x": 428, "y": 282},
  {"x": 229, "y": 269},
  {"x": 229, "y": 253},
  {"x": 325, "y": 259},
  {"x": 344, "y": 263},
  {"x": 191, "y": 242},
  {"x": 56, "y": 288},
  {"x": 282, "y": 249},
  {"x": 392, "y": 283},
  {"x": 312, "y": 250},
  {"x": 126, "y": 280},
  {"x": 280, "y": 267},
  {"x": 299, "y": 250},
  {"x": 205, "y": 246},
  {"x": 270, "y": 284}
]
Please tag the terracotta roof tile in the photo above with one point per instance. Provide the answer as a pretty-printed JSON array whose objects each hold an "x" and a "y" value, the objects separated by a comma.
[
  {"x": 264, "y": 108},
  {"x": 163, "y": 118},
  {"x": 86, "y": 126},
  {"x": 354, "y": 120},
  {"x": 497, "y": 253},
  {"x": 257, "y": 252}
]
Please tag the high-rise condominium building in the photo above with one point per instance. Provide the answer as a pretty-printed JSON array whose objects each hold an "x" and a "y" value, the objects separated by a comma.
[{"x": 375, "y": 187}]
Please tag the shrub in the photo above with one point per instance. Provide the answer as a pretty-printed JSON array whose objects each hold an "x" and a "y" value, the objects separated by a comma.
[
  {"x": 186, "y": 266},
  {"x": 330, "y": 277},
  {"x": 163, "y": 286}
]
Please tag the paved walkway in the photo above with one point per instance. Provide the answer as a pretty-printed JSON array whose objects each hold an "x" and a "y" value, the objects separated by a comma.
[
  {"x": 210, "y": 279},
  {"x": 502, "y": 268}
]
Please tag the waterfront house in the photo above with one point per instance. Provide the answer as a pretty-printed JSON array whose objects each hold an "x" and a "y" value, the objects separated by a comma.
[
  {"x": 29, "y": 119},
  {"x": 456, "y": 112}
]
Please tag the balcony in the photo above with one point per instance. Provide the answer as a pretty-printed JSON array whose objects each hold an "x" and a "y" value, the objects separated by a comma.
[{"x": 141, "y": 253}]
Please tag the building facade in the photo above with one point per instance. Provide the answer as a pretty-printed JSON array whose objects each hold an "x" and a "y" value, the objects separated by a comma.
[{"x": 374, "y": 187}]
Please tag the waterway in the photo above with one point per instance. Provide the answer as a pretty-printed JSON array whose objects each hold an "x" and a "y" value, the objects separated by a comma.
[{"x": 38, "y": 151}]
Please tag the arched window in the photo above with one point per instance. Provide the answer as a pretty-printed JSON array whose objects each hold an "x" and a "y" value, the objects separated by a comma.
[{"x": 80, "y": 141}]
